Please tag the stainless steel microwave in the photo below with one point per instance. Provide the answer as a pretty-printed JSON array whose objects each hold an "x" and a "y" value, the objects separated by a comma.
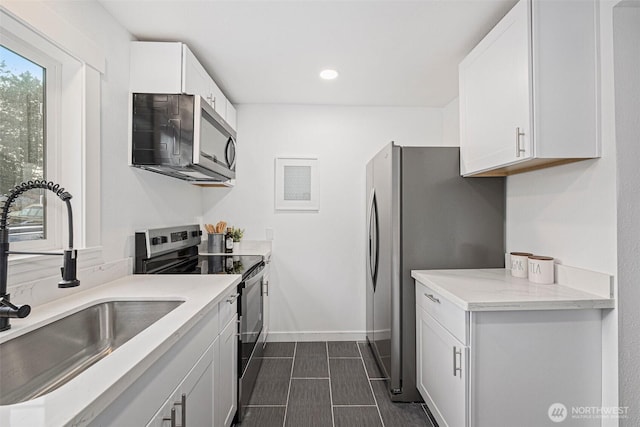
[{"x": 183, "y": 137}]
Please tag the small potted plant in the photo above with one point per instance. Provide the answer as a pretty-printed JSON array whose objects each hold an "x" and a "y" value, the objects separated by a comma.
[{"x": 236, "y": 234}]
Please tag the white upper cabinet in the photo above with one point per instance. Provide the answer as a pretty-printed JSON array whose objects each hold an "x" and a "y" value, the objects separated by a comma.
[
  {"x": 231, "y": 115},
  {"x": 195, "y": 79},
  {"x": 171, "y": 67},
  {"x": 529, "y": 90}
]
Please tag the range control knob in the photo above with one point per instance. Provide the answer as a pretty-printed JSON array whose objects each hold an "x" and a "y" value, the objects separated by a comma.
[
  {"x": 163, "y": 239},
  {"x": 155, "y": 241},
  {"x": 195, "y": 233}
]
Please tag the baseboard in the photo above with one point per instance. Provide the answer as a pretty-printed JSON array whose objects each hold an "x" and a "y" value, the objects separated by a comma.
[{"x": 279, "y": 336}]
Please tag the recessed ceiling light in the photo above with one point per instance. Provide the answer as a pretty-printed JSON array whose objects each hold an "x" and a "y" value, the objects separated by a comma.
[{"x": 328, "y": 74}]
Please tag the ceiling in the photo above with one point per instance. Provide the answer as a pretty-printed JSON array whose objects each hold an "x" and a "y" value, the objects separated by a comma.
[{"x": 392, "y": 53}]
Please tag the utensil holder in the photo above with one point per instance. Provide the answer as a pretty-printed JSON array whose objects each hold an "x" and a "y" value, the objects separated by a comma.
[{"x": 215, "y": 243}]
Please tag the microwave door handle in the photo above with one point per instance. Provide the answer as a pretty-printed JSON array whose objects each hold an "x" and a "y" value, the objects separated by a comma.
[{"x": 231, "y": 142}]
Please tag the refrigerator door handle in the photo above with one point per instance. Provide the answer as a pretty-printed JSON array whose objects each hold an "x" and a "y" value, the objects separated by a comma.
[{"x": 374, "y": 244}]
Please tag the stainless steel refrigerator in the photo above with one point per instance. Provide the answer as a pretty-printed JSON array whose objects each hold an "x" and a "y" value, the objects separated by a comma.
[{"x": 421, "y": 214}]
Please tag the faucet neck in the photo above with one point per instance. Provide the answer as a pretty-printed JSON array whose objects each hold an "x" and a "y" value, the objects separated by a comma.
[
  {"x": 4, "y": 260},
  {"x": 7, "y": 309},
  {"x": 4, "y": 264}
]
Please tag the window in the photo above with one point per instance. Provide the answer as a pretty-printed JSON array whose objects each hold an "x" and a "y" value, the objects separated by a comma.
[
  {"x": 28, "y": 87},
  {"x": 72, "y": 65},
  {"x": 22, "y": 140}
]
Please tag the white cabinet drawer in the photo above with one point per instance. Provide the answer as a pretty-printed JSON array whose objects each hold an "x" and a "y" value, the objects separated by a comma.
[
  {"x": 452, "y": 317},
  {"x": 228, "y": 307}
]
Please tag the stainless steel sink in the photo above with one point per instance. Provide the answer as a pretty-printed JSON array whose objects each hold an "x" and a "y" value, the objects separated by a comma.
[{"x": 42, "y": 360}]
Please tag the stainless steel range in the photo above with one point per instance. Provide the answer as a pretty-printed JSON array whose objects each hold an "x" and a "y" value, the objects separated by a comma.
[{"x": 174, "y": 250}]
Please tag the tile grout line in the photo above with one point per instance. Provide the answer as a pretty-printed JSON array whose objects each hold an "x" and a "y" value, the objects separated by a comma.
[
  {"x": 276, "y": 357},
  {"x": 354, "y": 406},
  {"x": 370, "y": 386},
  {"x": 365, "y": 344},
  {"x": 293, "y": 362},
  {"x": 333, "y": 420},
  {"x": 310, "y": 378},
  {"x": 265, "y": 406}
]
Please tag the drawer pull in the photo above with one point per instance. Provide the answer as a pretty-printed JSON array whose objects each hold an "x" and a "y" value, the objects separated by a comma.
[
  {"x": 183, "y": 404},
  {"x": 432, "y": 298},
  {"x": 457, "y": 368},
  {"x": 172, "y": 419},
  {"x": 233, "y": 298},
  {"x": 518, "y": 149}
]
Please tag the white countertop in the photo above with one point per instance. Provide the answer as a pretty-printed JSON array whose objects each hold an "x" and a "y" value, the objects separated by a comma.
[
  {"x": 497, "y": 290},
  {"x": 78, "y": 401}
]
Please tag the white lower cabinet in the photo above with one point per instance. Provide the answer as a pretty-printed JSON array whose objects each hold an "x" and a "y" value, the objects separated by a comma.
[
  {"x": 198, "y": 372},
  {"x": 226, "y": 379},
  {"x": 191, "y": 402},
  {"x": 441, "y": 371},
  {"x": 507, "y": 368}
]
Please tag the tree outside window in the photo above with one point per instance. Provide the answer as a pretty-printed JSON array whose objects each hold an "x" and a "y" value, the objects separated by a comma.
[{"x": 22, "y": 141}]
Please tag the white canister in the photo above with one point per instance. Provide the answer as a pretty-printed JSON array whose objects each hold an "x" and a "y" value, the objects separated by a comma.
[
  {"x": 541, "y": 269},
  {"x": 519, "y": 262}
]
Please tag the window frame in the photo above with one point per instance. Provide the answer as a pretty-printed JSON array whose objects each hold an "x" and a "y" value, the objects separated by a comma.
[
  {"x": 53, "y": 221},
  {"x": 79, "y": 132}
]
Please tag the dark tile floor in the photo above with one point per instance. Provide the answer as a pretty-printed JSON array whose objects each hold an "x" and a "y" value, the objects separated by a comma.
[{"x": 332, "y": 384}]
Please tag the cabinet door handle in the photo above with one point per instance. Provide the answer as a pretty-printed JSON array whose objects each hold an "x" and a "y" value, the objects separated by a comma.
[
  {"x": 233, "y": 298},
  {"x": 266, "y": 288},
  {"x": 172, "y": 418},
  {"x": 457, "y": 368},
  {"x": 183, "y": 404},
  {"x": 432, "y": 298},
  {"x": 518, "y": 149}
]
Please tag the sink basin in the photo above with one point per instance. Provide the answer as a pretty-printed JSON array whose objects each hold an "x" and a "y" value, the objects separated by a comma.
[{"x": 42, "y": 360}]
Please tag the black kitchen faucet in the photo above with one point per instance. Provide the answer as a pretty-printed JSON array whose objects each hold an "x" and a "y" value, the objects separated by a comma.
[{"x": 7, "y": 309}]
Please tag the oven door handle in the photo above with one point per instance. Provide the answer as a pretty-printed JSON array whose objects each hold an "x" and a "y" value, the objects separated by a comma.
[{"x": 255, "y": 279}]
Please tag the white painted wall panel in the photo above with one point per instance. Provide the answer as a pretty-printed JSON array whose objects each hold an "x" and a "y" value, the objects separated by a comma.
[
  {"x": 451, "y": 124},
  {"x": 318, "y": 264},
  {"x": 627, "y": 69}
]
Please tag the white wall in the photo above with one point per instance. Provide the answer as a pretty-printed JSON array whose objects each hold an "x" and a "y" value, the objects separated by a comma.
[
  {"x": 627, "y": 70},
  {"x": 569, "y": 212},
  {"x": 131, "y": 199},
  {"x": 451, "y": 123},
  {"x": 318, "y": 276}
]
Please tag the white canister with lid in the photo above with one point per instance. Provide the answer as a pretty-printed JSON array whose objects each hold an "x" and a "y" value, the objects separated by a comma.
[
  {"x": 541, "y": 269},
  {"x": 519, "y": 263}
]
